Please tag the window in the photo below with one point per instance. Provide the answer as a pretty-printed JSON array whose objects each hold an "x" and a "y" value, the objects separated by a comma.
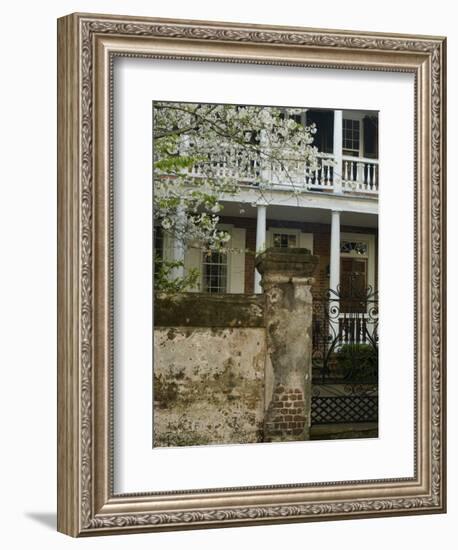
[
  {"x": 214, "y": 272},
  {"x": 284, "y": 240},
  {"x": 351, "y": 137},
  {"x": 354, "y": 247}
]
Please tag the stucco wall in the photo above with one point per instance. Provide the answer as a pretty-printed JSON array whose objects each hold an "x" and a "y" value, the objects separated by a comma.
[
  {"x": 208, "y": 385},
  {"x": 209, "y": 373},
  {"x": 214, "y": 355}
]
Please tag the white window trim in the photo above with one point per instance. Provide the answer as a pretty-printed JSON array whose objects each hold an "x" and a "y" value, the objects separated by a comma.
[
  {"x": 284, "y": 231},
  {"x": 288, "y": 231},
  {"x": 202, "y": 274},
  {"x": 350, "y": 115},
  {"x": 223, "y": 227}
]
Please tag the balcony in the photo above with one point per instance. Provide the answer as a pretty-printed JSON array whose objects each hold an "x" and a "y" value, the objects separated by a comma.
[{"x": 347, "y": 175}]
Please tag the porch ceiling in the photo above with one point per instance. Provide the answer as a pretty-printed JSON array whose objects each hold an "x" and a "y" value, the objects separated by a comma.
[{"x": 299, "y": 214}]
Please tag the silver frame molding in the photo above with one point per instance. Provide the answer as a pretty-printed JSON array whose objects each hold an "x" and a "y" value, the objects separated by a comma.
[{"x": 87, "y": 45}]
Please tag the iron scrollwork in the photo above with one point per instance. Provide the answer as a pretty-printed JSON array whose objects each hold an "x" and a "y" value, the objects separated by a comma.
[{"x": 345, "y": 355}]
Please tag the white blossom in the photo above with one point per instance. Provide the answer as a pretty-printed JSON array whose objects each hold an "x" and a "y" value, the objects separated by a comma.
[{"x": 204, "y": 152}]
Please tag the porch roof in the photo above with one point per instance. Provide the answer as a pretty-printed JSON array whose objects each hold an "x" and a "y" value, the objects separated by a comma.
[{"x": 242, "y": 209}]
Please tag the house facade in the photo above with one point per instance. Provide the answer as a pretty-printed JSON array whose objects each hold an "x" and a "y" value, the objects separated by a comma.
[{"x": 336, "y": 218}]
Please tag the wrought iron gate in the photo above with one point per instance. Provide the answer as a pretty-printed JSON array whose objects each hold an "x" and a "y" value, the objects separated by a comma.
[{"x": 345, "y": 356}]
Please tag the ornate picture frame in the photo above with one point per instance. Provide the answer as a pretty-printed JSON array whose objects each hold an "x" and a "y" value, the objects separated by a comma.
[{"x": 87, "y": 46}]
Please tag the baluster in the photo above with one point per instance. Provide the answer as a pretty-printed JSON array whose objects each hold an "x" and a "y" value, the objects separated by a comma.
[
  {"x": 360, "y": 175},
  {"x": 318, "y": 172},
  {"x": 352, "y": 167}
]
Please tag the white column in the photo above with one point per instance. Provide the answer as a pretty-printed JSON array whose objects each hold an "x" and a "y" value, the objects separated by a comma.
[
  {"x": 178, "y": 247},
  {"x": 260, "y": 242},
  {"x": 334, "y": 265},
  {"x": 337, "y": 151},
  {"x": 334, "y": 275},
  {"x": 178, "y": 251}
]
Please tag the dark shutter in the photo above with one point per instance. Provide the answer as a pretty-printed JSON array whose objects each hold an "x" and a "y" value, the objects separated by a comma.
[
  {"x": 324, "y": 137},
  {"x": 370, "y": 137}
]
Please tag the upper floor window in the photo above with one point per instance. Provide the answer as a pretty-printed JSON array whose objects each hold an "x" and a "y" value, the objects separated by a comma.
[{"x": 351, "y": 137}]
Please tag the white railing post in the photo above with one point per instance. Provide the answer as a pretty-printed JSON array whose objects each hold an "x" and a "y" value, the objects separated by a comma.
[
  {"x": 337, "y": 151},
  {"x": 265, "y": 168}
]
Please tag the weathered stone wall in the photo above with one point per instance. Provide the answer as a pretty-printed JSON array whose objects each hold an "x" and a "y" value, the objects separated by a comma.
[
  {"x": 237, "y": 368},
  {"x": 209, "y": 379},
  {"x": 208, "y": 385}
]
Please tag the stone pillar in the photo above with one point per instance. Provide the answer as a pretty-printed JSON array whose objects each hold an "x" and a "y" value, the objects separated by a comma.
[
  {"x": 261, "y": 230},
  {"x": 286, "y": 280}
]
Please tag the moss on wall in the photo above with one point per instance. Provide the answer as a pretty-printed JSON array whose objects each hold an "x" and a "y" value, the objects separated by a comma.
[{"x": 208, "y": 385}]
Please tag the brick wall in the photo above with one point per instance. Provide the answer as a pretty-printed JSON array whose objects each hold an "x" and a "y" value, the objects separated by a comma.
[{"x": 287, "y": 417}]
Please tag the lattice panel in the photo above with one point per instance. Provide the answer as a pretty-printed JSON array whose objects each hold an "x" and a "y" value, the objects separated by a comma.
[{"x": 344, "y": 409}]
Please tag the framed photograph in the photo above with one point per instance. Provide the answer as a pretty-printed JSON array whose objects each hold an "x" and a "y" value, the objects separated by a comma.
[{"x": 251, "y": 290}]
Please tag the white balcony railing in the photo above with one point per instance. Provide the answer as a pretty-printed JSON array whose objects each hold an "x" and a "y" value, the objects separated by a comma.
[
  {"x": 360, "y": 175},
  {"x": 356, "y": 175}
]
